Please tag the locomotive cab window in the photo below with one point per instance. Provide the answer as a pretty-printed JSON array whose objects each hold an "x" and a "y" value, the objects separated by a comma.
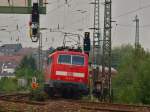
[
  {"x": 77, "y": 60},
  {"x": 64, "y": 59}
]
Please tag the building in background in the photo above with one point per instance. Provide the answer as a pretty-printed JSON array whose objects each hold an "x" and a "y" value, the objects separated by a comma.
[{"x": 10, "y": 49}]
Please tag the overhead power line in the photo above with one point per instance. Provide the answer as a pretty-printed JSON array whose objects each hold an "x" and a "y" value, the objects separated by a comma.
[
  {"x": 132, "y": 11},
  {"x": 127, "y": 25},
  {"x": 58, "y": 7}
]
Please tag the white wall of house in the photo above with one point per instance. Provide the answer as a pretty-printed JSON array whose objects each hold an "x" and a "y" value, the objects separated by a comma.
[{"x": 8, "y": 70}]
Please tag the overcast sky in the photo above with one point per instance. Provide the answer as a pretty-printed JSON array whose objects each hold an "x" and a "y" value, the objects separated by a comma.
[{"x": 76, "y": 16}]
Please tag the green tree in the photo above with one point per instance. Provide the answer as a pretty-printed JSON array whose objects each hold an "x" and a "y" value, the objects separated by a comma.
[
  {"x": 28, "y": 62},
  {"x": 27, "y": 69},
  {"x": 131, "y": 85}
]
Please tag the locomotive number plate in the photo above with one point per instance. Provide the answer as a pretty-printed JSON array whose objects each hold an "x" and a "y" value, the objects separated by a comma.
[{"x": 69, "y": 74}]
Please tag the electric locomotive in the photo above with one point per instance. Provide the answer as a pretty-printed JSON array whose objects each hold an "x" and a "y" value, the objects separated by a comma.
[{"x": 67, "y": 73}]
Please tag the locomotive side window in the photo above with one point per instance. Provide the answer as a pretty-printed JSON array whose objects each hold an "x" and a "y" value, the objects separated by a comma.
[
  {"x": 49, "y": 60},
  {"x": 64, "y": 59},
  {"x": 77, "y": 60}
]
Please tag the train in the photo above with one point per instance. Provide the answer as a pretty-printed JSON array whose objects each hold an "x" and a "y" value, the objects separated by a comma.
[{"x": 66, "y": 73}]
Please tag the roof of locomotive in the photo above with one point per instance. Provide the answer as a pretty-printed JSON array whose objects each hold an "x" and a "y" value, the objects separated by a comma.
[{"x": 68, "y": 52}]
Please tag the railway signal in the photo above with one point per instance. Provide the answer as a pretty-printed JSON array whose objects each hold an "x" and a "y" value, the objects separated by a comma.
[
  {"x": 87, "y": 43},
  {"x": 34, "y": 24},
  {"x": 35, "y": 13}
]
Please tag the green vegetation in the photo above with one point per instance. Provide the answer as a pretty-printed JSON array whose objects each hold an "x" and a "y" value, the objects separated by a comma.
[
  {"x": 131, "y": 85},
  {"x": 8, "y": 85},
  {"x": 26, "y": 70}
]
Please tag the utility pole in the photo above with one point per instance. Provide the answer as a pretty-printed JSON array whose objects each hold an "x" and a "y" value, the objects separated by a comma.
[
  {"x": 40, "y": 52},
  {"x": 137, "y": 32},
  {"x": 106, "y": 76},
  {"x": 96, "y": 33},
  {"x": 96, "y": 57}
]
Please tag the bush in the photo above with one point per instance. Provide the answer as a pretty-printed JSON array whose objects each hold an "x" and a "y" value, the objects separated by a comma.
[
  {"x": 131, "y": 85},
  {"x": 8, "y": 85}
]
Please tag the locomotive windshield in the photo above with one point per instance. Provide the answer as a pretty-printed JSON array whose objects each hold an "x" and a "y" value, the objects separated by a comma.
[
  {"x": 77, "y": 60},
  {"x": 64, "y": 59},
  {"x": 71, "y": 59}
]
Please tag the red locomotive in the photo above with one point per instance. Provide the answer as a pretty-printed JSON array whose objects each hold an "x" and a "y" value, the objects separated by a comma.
[{"x": 67, "y": 73}]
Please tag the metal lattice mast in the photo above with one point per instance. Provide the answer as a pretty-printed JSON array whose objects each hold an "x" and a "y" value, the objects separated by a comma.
[
  {"x": 96, "y": 33},
  {"x": 106, "y": 88},
  {"x": 137, "y": 32},
  {"x": 97, "y": 49},
  {"x": 40, "y": 52}
]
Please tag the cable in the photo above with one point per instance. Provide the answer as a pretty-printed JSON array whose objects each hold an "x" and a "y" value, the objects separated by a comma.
[
  {"x": 126, "y": 25},
  {"x": 77, "y": 21},
  {"x": 132, "y": 11},
  {"x": 58, "y": 7},
  {"x": 62, "y": 5},
  {"x": 115, "y": 30}
]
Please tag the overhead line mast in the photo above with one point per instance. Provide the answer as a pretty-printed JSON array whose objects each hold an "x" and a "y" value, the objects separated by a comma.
[
  {"x": 96, "y": 33},
  {"x": 106, "y": 76},
  {"x": 96, "y": 57},
  {"x": 137, "y": 32}
]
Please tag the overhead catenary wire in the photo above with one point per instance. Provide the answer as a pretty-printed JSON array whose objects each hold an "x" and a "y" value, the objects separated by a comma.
[
  {"x": 58, "y": 7},
  {"x": 128, "y": 25},
  {"x": 132, "y": 11}
]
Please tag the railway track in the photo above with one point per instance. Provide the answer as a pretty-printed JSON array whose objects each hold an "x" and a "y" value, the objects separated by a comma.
[
  {"x": 68, "y": 105},
  {"x": 19, "y": 98},
  {"x": 109, "y": 107}
]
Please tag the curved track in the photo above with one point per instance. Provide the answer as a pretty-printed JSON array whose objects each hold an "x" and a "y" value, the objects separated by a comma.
[
  {"x": 68, "y": 105},
  {"x": 109, "y": 107},
  {"x": 19, "y": 98}
]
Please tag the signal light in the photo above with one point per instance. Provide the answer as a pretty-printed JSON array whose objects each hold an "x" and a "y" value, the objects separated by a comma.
[
  {"x": 35, "y": 13},
  {"x": 34, "y": 23},
  {"x": 87, "y": 34},
  {"x": 87, "y": 43},
  {"x": 34, "y": 32}
]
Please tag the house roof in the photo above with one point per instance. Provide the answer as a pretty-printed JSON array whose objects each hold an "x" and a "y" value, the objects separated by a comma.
[
  {"x": 11, "y": 46},
  {"x": 26, "y": 51},
  {"x": 15, "y": 58}
]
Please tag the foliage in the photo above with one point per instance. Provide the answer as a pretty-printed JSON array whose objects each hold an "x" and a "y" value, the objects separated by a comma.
[
  {"x": 27, "y": 70},
  {"x": 131, "y": 85},
  {"x": 8, "y": 84},
  {"x": 120, "y": 52},
  {"x": 28, "y": 62}
]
